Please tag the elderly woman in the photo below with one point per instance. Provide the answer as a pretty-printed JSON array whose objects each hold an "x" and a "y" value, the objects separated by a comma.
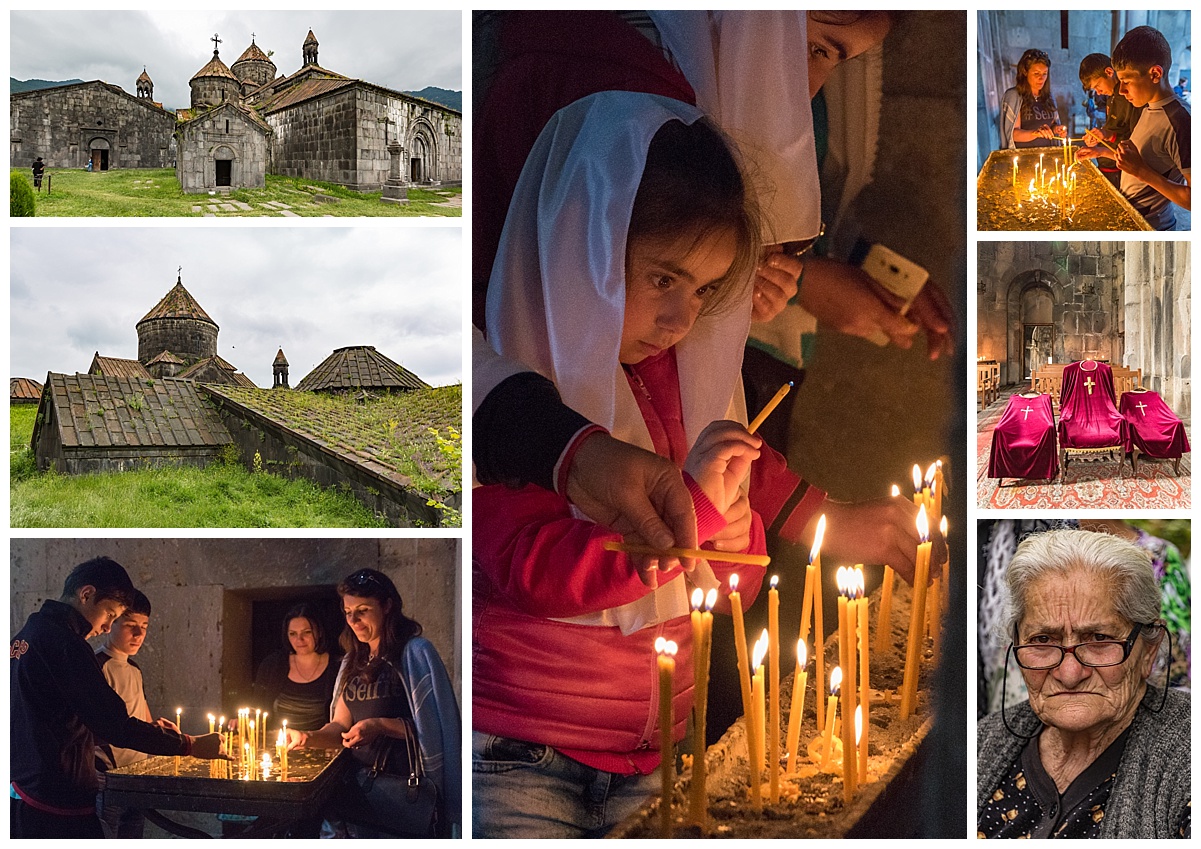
[
  {"x": 392, "y": 686},
  {"x": 1095, "y": 751}
]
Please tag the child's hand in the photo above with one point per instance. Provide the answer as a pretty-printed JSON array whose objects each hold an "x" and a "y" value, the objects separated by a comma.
[
  {"x": 1093, "y": 138},
  {"x": 736, "y": 535},
  {"x": 720, "y": 460},
  {"x": 1130, "y": 160},
  {"x": 775, "y": 284}
]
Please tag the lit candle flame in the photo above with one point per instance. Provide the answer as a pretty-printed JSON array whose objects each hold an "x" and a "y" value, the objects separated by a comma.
[
  {"x": 212, "y": 718},
  {"x": 896, "y": 490},
  {"x": 775, "y": 581},
  {"x": 930, "y": 474},
  {"x": 917, "y": 478},
  {"x": 923, "y": 524},
  {"x": 817, "y": 538},
  {"x": 266, "y": 765},
  {"x": 858, "y": 724},
  {"x": 802, "y": 653},
  {"x": 835, "y": 680},
  {"x": 840, "y": 580},
  {"x": 698, "y": 598},
  {"x": 660, "y": 645},
  {"x": 282, "y": 739},
  {"x": 857, "y": 578},
  {"x": 710, "y": 599},
  {"x": 734, "y": 583},
  {"x": 670, "y": 648},
  {"x": 760, "y": 650},
  {"x": 942, "y": 526}
]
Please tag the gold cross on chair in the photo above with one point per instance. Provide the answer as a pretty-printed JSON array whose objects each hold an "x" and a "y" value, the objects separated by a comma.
[
  {"x": 1027, "y": 411},
  {"x": 1142, "y": 408},
  {"x": 1089, "y": 383}
]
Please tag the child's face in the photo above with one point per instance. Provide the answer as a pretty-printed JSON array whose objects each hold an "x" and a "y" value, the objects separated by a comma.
[
  {"x": 129, "y": 632},
  {"x": 1104, "y": 84},
  {"x": 100, "y": 613},
  {"x": 667, "y": 284},
  {"x": 1139, "y": 87},
  {"x": 831, "y": 44}
]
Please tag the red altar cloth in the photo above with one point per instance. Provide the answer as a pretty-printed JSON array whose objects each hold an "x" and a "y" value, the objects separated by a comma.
[
  {"x": 1088, "y": 416},
  {"x": 1152, "y": 426},
  {"x": 1023, "y": 442}
]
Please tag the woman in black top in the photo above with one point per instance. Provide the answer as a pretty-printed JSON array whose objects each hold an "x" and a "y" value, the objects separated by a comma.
[{"x": 298, "y": 682}]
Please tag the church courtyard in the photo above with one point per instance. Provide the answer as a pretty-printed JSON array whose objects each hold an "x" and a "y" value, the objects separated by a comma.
[{"x": 153, "y": 192}]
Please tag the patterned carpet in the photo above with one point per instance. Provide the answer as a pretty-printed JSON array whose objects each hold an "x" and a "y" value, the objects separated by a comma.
[{"x": 1087, "y": 485}]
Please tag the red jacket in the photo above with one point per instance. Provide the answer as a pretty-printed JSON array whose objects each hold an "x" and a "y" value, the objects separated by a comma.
[{"x": 587, "y": 690}]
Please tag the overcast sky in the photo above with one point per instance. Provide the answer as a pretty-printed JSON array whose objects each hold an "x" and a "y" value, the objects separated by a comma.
[
  {"x": 405, "y": 51},
  {"x": 75, "y": 291}
]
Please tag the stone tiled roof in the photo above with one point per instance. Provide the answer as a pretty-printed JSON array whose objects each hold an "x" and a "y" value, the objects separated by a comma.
[
  {"x": 310, "y": 38},
  {"x": 215, "y": 370},
  {"x": 359, "y": 367},
  {"x": 98, "y": 411},
  {"x": 215, "y": 68},
  {"x": 253, "y": 53},
  {"x": 23, "y": 389},
  {"x": 117, "y": 367},
  {"x": 301, "y": 90},
  {"x": 144, "y": 76},
  {"x": 178, "y": 303},
  {"x": 280, "y": 359},
  {"x": 166, "y": 357},
  {"x": 115, "y": 89},
  {"x": 188, "y": 116}
]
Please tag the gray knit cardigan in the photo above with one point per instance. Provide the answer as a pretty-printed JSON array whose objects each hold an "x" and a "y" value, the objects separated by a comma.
[{"x": 1152, "y": 787}]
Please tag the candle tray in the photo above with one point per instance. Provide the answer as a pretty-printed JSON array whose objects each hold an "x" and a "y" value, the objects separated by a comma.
[{"x": 999, "y": 206}]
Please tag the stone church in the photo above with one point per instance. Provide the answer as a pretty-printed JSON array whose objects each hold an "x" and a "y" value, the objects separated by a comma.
[
  {"x": 1125, "y": 303},
  {"x": 244, "y": 121}
]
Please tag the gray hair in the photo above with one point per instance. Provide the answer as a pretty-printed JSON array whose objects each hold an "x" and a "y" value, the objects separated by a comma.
[{"x": 1123, "y": 566}]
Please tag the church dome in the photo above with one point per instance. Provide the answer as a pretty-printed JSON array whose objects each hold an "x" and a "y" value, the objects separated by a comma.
[
  {"x": 214, "y": 84},
  {"x": 178, "y": 324},
  {"x": 254, "y": 68}
]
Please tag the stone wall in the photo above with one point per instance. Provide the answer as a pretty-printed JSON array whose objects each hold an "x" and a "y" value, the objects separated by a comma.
[
  {"x": 316, "y": 139},
  {"x": 440, "y": 129},
  {"x": 60, "y": 124},
  {"x": 1158, "y": 319},
  {"x": 186, "y": 338},
  {"x": 225, "y": 134},
  {"x": 198, "y": 653}
]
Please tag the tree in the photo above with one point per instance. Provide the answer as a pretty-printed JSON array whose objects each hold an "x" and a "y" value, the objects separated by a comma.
[{"x": 21, "y": 203}]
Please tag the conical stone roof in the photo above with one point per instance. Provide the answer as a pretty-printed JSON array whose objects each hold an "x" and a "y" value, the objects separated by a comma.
[
  {"x": 178, "y": 303},
  {"x": 360, "y": 367}
]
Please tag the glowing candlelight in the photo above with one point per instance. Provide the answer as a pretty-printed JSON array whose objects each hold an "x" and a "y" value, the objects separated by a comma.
[
  {"x": 284, "y": 759},
  {"x": 773, "y": 671},
  {"x": 212, "y": 723},
  {"x": 1042, "y": 173},
  {"x": 666, "y": 657},
  {"x": 916, "y": 618},
  {"x": 831, "y": 709},
  {"x": 248, "y": 764},
  {"x": 861, "y": 743},
  {"x": 819, "y": 629},
  {"x": 266, "y": 766},
  {"x": 702, "y": 638},
  {"x": 864, "y": 675},
  {"x": 796, "y": 713},
  {"x": 179, "y": 726},
  {"x": 757, "y": 422},
  {"x": 846, "y": 655},
  {"x": 1015, "y": 172},
  {"x": 757, "y": 698},
  {"x": 744, "y": 662}
]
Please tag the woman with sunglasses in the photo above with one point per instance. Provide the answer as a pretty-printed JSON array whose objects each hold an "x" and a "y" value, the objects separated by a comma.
[
  {"x": 1029, "y": 117},
  {"x": 392, "y": 684},
  {"x": 1096, "y": 751}
]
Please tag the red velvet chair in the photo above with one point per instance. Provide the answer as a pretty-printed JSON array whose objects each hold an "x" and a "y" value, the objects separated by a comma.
[
  {"x": 1089, "y": 421},
  {"x": 1152, "y": 429},
  {"x": 1023, "y": 442}
]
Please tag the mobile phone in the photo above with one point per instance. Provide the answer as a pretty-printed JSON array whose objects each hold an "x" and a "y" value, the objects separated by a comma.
[{"x": 899, "y": 276}]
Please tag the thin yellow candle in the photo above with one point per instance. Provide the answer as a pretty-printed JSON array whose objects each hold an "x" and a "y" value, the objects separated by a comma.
[
  {"x": 179, "y": 725},
  {"x": 1015, "y": 172},
  {"x": 666, "y": 656},
  {"x": 865, "y": 689},
  {"x": 940, "y": 487},
  {"x": 916, "y": 618},
  {"x": 1042, "y": 173},
  {"x": 773, "y": 670},
  {"x": 697, "y": 801},
  {"x": 861, "y": 743},
  {"x": 946, "y": 596},
  {"x": 254, "y": 740},
  {"x": 884, "y": 617},
  {"x": 819, "y": 630},
  {"x": 846, "y": 653},
  {"x": 247, "y": 763},
  {"x": 651, "y": 551},
  {"x": 284, "y": 765},
  {"x": 757, "y": 422},
  {"x": 266, "y": 766},
  {"x": 264, "y": 727},
  {"x": 756, "y": 743},
  {"x": 744, "y": 661},
  {"x": 919, "y": 497},
  {"x": 848, "y": 750},
  {"x": 796, "y": 713},
  {"x": 831, "y": 710}
]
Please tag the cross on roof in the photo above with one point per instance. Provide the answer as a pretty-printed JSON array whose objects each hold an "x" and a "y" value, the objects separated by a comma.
[{"x": 215, "y": 41}]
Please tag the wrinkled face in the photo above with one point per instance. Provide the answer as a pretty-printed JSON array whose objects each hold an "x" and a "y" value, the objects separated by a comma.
[
  {"x": 667, "y": 283},
  {"x": 830, "y": 44},
  {"x": 100, "y": 614},
  {"x": 1068, "y": 609},
  {"x": 365, "y": 616},
  {"x": 301, "y": 636},
  {"x": 1138, "y": 87},
  {"x": 1104, "y": 84},
  {"x": 1037, "y": 77},
  {"x": 129, "y": 632}
]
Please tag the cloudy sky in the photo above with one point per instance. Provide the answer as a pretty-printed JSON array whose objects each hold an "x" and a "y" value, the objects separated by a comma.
[
  {"x": 405, "y": 51},
  {"x": 75, "y": 291}
]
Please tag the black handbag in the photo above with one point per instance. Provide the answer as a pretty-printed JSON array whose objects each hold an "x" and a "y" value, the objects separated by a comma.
[{"x": 403, "y": 806}]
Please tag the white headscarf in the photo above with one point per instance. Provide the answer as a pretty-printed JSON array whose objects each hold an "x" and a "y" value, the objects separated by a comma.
[
  {"x": 751, "y": 77},
  {"x": 556, "y": 298}
]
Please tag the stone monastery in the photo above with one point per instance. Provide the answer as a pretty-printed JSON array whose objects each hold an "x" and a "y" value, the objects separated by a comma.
[{"x": 244, "y": 121}]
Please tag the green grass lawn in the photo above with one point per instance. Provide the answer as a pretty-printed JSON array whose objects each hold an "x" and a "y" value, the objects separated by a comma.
[
  {"x": 220, "y": 496},
  {"x": 155, "y": 192}
]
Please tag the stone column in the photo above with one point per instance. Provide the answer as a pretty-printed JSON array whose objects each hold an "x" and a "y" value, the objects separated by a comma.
[{"x": 396, "y": 190}]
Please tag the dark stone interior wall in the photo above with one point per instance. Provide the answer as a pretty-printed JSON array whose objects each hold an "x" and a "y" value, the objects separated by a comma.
[{"x": 53, "y": 124}]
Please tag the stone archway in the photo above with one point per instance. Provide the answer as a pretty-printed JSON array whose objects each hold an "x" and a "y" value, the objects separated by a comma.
[
  {"x": 423, "y": 154},
  {"x": 98, "y": 154},
  {"x": 1033, "y": 299},
  {"x": 224, "y": 172}
]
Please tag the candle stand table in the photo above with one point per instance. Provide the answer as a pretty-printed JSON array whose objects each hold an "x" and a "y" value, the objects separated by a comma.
[{"x": 152, "y": 786}]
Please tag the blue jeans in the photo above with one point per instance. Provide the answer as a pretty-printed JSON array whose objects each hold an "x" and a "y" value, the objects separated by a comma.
[{"x": 524, "y": 789}]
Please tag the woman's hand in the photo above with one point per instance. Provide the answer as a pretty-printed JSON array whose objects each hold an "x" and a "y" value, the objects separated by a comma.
[
  {"x": 720, "y": 460},
  {"x": 775, "y": 283},
  {"x": 209, "y": 747},
  {"x": 1061, "y": 131},
  {"x": 881, "y": 531},
  {"x": 1045, "y": 132},
  {"x": 362, "y": 733},
  {"x": 297, "y": 739}
]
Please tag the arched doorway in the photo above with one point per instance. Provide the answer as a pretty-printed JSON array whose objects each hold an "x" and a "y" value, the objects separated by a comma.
[
  {"x": 98, "y": 154},
  {"x": 423, "y": 153},
  {"x": 418, "y": 154},
  {"x": 223, "y": 167},
  {"x": 1038, "y": 327}
]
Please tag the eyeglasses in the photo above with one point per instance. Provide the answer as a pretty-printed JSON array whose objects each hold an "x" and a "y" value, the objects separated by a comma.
[
  {"x": 1096, "y": 654},
  {"x": 362, "y": 579}
]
